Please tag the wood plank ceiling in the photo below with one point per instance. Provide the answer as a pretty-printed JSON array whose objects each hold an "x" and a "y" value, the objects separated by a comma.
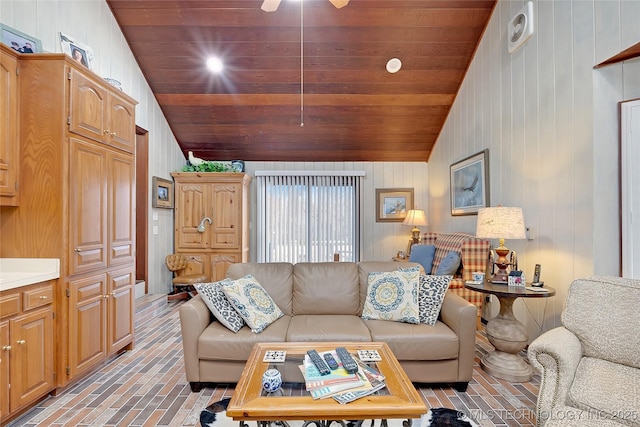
[{"x": 328, "y": 98}]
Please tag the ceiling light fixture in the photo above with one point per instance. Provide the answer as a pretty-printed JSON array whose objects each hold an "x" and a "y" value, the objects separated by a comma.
[
  {"x": 214, "y": 64},
  {"x": 394, "y": 65}
]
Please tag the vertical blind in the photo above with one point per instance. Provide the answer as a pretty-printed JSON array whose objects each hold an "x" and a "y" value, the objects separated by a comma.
[{"x": 308, "y": 216}]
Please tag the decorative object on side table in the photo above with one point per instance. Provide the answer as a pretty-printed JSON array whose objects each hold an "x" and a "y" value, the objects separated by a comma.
[
  {"x": 470, "y": 184},
  {"x": 501, "y": 223},
  {"x": 506, "y": 333},
  {"x": 271, "y": 380}
]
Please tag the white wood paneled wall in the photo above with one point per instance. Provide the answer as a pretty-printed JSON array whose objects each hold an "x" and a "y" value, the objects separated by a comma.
[
  {"x": 550, "y": 122},
  {"x": 92, "y": 23},
  {"x": 379, "y": 241}
]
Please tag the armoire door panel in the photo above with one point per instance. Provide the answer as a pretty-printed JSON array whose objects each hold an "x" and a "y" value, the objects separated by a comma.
[
  {"x": 122, "y": 209},
  {"x": 121, "y": 306},
  {"x": 4, "y": 368},
  {"x": 9, "y": 143},
  {"x": 122, "y": 124},
  {"x": 191, "y": 203},
  {"x": 87, "y": 323},
  {"x": 88, "y": 107},
  {"x": 227, "y": 202},
  {"x": 87, "y": 207}
]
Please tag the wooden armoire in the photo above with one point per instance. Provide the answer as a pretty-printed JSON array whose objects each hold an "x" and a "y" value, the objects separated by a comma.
[
  {"x": 212, "y": 220},
  {"x": 76, "y": 138}
]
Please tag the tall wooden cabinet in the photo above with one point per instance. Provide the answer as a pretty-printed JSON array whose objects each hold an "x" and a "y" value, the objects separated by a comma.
[
  {"x": 212, "y": 220},
  {"x": 77, "y": 203}
]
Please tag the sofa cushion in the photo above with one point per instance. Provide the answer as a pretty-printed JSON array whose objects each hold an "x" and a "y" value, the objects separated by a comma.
[
  {"x": 607, "y": 389},
  {"x": 423, "y": 255},
  {"x": 449, "y": 264},
  {"x": 325, "y": 288},
  {"x": 335, "y": 327},
  {"x": 217, "y": 301},
  {"x": 393, "y": 296},
  {"x": 366, "y": 267},
  {"x": 603, "y": 337},
  {"x": 275, "y": 277},
  {"x": 430, "y": 297},
  {"x": 218, "y": 343},
  {"x": 416, "y": 342},
  {"x": 252, "y": 302}
]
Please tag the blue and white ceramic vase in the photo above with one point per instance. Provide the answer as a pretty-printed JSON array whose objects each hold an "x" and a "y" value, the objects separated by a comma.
[{"x": 271, "y": 380}]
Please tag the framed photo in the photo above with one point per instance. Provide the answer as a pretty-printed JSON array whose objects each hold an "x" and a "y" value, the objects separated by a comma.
[
  {"x": 392, "y": 204},
  {"x": 19, "y": 41},
  {"x": 470, "y": 184},
  {"x": 81, "y": 53},
  {"x": 162, "y": 194}
]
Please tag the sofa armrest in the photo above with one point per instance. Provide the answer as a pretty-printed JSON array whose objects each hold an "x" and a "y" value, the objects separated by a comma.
[
  {"x": 460, "y": 315},
  {"x": 194, "y": 318},
  {"x": 556, "y": 354}
]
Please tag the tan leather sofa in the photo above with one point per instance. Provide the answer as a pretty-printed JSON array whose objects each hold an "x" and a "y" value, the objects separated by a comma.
[
  {"x": 323, "y": 302},
  {"x": 591, "y": 365}
]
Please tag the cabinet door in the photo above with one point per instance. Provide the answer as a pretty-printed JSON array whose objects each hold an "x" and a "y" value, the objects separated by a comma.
[
  {"x": 87, "y": 323},
  {"x": 9, "y": 142},
  {"x": 121, "y": 309},
  {"x": 87, "y": 207},
  {"x": 122, "y": 126},
  {"x": 227, "y": 220},
  {"x": 31, "y": 357},
  {"x": 88, "y": 107},
  {"x": 191, "y": 206},
  {"x": 5, "y": 354},
  {"x": 122, "y": 209}
]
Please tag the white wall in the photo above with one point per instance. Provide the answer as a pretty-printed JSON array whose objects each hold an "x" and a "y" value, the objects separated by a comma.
[
  {"x": 92, "y": 23},
  {"x": 380, "y": 241},
  {"x": 550, "y": 122}
]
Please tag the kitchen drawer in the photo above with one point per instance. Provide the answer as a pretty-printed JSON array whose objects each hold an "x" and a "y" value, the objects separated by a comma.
[
  {"x": 38, "y": 296},
  {"x": 9, "y": 304}
]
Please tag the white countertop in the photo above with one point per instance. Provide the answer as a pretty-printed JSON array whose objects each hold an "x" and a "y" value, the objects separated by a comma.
[{"x": 16, "y": 272}]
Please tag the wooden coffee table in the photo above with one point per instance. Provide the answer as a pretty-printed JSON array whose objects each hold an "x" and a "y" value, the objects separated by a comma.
[{"x": 399, "y": 399}]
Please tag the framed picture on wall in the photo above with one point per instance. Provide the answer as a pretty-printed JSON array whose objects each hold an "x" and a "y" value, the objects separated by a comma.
[
  {"x": 79, "y": 52},
  {"x": 162, "y": 193},
  {"x": 392, "y": 204},
  {"x": 470, "y": 184},
  {"x": 19, "y": 41}
]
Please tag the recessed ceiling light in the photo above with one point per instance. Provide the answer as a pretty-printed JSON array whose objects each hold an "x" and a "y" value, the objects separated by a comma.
[
  {"x": 214, "y": 64},
  {"x": 394, "y": 65}
]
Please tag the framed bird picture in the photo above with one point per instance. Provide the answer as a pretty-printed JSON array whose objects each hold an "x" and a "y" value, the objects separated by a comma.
[{"x": 470, "y": 184}]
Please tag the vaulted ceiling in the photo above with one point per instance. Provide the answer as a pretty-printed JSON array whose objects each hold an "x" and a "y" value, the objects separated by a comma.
[{"x": 308, "y": 81}]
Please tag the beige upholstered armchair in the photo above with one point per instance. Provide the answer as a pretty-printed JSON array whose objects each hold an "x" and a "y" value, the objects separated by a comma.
[{"x": 591, "y": 365}]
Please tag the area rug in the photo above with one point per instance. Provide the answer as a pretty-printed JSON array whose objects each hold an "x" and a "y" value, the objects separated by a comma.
[{"x": 214, "y": 415}]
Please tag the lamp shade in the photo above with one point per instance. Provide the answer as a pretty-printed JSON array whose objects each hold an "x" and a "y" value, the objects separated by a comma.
[
  {"x": 500, "y": 223},
  {"x": 415, "y": 217}
]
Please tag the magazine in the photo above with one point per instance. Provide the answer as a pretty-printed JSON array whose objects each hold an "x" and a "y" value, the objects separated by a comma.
[{"x": 351, "y": 395}]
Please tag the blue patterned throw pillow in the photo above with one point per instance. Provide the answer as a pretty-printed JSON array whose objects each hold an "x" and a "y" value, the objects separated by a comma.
[
  {"x": 393, "y": 296},
  {"x": 431, "y": 296},
  {"x": 252, "y": 303},
  {"x": 216, "y": 300}
]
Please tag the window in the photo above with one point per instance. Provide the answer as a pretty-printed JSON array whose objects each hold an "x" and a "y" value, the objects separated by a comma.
[{"x": 308, "y": 216}]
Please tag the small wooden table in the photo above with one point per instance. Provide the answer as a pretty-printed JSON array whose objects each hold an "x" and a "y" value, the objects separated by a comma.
[
  {"x": 250, "y": 403},
  {"x": 506, "y": 333}
]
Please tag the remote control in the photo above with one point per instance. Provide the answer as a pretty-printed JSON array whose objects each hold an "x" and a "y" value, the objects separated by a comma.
[
  {"x": 331, "y": 361},
  {"x": 348, "y": 363},
  {"x": 320, "y": 364}
]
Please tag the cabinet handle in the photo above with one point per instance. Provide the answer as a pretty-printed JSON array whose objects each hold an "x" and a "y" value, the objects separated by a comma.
[
  {"x": 21, "y": 342},
  {"x": 78, "y": 250},
  {"x": 43, "y": 297},
  {"x": 113, "y": 134},
  {"x": 113, "y": 294},
  {"x": 106, "y": 131},
  {"x": 6, "y": 347},
  {"x": 105, "y": 296}
]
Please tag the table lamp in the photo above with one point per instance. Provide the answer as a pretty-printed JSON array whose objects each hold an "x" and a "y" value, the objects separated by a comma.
[
  {"x": 501, "y": 223},
  {"x": 415, "y": 217}
]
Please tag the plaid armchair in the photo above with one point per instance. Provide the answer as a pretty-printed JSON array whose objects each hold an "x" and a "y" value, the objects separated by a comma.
[{"x": 474, "y": 256}]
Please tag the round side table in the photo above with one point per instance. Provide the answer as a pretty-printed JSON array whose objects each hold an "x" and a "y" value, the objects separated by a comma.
[{"x": 506, "y": 333}]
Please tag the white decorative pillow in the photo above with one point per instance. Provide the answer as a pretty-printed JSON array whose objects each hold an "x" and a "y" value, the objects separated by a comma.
[
  {"x": 217, "y": 301},
  {"x": 393, "y": 296},
  {"x": 252, "y": 303},
  {"x": 431, "y": 296}
]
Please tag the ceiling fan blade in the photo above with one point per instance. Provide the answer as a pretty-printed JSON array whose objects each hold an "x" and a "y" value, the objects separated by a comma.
[
  {"x": 339, "y": 3},
  {"x": 270, "y": 5}
]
